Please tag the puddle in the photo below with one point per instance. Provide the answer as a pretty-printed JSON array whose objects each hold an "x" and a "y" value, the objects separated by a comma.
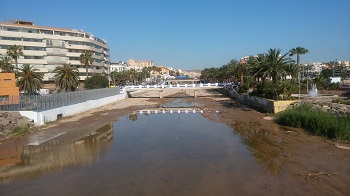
[
  {"x": 181, "y": 103},
  {"x": 147, "y": 153}
]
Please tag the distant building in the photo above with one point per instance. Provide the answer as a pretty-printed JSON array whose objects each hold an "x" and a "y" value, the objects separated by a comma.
[
  {"x": 140, "y": 63},
  {"x": 119, "y": 66},
  {"x": 46, "y": 48}
]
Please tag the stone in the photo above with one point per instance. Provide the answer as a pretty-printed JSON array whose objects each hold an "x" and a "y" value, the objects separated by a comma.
[{"x": 4, "y": 122}]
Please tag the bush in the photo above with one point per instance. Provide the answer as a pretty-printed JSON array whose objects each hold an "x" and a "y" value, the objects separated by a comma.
[
  {"x": 341, "y": 101},
  {"x": 20, "y": 130},
  {"x": 317, "y": 122},
  {"x": 268, "y": 90},
  {"x": 96, "y": 81}
]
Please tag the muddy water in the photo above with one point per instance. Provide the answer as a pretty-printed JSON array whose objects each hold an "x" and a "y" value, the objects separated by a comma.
[{"x": 178, "y": 153}]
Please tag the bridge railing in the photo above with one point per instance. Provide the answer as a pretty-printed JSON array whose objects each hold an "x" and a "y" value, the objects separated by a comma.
[{"x": 162, "y": 86}]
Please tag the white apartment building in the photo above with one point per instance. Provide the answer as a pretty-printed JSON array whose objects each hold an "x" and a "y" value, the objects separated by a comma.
[
  {"x": 119, "y": 66},
  {"x": 45, "y": 48}
]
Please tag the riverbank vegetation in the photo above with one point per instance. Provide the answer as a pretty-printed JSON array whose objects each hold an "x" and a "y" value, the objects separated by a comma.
[
  {"x": 341, "y": 101},
  {"x": 271, "y": 75},
  {"x": 317, "y": 122}
]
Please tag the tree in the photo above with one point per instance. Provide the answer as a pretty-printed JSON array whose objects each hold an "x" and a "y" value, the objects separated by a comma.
[
  {"x": 256, "y": 66},
  {"x": 276, "y": 64},
  {"x": 293, "y": 70},
  {"x": 326, "y": 73},
  {"x": 96, "y": 81},
  {"x": 29, "y": 80},
  {"x": 240, "y": 70},
  {"x": 86, "y": 59},
  {"x": 120, "y": 78},
  {"x": 66, "y": 77},
  {"x": 298, "y": 51},
  {"x": 131, "y": 75},
  {"x": 14, "y": 52},
  {"x": 5, "y": 64},
  {"x": 332, "y": 65}
]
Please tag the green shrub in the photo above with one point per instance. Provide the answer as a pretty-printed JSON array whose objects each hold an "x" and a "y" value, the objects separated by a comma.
[
  {"x": 317, "y": 122},
  {"x": 341, "y": 101},
  {"x": 20, "y": 130},
  {"x": 96, "y": 81}
]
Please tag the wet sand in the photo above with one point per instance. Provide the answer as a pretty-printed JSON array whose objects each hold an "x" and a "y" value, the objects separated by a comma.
[{"x": 303, "y": 164}]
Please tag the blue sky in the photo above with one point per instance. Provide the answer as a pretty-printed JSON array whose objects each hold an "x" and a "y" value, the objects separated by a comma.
[{"x": 195, "y": 34}]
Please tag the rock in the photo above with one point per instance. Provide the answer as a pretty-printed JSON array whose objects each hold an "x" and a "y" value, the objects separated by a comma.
[
  {"x": 4, "y": 121},
  {"x": 268, "y": 118},
  {"x": 9, "y": 120},
  {"x": 6, "y": 131}
]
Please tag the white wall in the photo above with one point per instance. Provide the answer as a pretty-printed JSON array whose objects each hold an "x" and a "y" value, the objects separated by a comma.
[{"x": 40, "y": 118}]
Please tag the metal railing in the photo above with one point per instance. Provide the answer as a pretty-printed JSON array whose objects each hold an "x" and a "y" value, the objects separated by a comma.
[{"x": 51, "y": 101}]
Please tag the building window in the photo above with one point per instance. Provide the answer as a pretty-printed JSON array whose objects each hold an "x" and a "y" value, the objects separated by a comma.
[
  {"x": 32, "y": 40},
  {"x": 11, "y": 38},
  {"x": 4, "y": 97},
  {"x": 34, "y": 48},
  {"x": 10, "y": 29}
]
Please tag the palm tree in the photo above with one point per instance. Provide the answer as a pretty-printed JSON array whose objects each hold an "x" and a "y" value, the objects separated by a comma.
[
  {"x": 29, "y": 80},
  {"x": 293, "y": 70},
  {"x": 86, "y": 59},
  {"x": 240, "y": 70},
  {"x": 66, "y": 77},
  {"x": 5, "y": 64},
  {"x": 256, "y": 65},
  {"x": 298, "y": 51},
  {"x": 120, "y": 78},
  {"x": 276, "y": 64},
  {"x": 14, "y": 52},
  {"x": 332, "y": 65},
  {"x": 132, "y": 75}
]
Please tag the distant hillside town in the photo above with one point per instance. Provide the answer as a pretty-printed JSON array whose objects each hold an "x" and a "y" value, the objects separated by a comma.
[{"x": 165, "y": 72}]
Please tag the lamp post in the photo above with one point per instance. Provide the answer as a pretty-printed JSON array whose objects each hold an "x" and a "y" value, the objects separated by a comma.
[
  {"x": 299, "y": 83},
  {"x": 307, "y": 80}
]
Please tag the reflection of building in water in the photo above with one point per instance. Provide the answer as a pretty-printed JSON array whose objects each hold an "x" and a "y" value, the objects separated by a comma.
[{"x": 64, "y": 151}]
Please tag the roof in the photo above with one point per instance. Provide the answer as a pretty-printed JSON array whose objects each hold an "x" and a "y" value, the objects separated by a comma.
[{"x": 28, "y": 24}]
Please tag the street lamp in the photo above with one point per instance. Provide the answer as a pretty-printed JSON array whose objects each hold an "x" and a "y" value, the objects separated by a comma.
[{"x": 299, "y": 83}]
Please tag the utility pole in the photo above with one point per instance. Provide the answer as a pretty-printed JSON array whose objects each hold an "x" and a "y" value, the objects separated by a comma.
[
  {"x": 299, "y": 84},
  {"x": 307, "y": 80}
]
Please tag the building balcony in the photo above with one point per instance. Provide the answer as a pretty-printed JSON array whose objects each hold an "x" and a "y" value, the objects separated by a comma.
[
  {"x": 56, "y": 53},
  {"x": 56, "y": 62},
  {"x": 32, "y": 61},
  {"x": 22, "y": 43},
  {"x": 81, "y": 47}
]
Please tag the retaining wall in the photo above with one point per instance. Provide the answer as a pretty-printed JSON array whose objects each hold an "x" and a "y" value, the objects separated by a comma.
[
  {"x": 42, "y": 117},
  {"x": 267, "y": 105}
]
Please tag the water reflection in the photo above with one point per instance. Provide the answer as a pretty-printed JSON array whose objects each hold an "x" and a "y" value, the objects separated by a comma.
[
  {"x": 181, "y": 103},
  {"x": 55, "y": 154},
  {"x": 266, "y": 152},
  {"x": 149, "y": 154},
  {"x": 133, "y": 117}
]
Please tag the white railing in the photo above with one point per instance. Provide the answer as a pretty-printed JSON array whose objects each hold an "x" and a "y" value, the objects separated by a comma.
[
  {"x": 175, "y": 111},
  {"x": 162, "y": 86}
]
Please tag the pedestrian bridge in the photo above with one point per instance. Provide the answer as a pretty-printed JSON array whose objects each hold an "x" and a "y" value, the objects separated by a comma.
[
  {"x": 172, "y": 91},
  {"x": 182, "y": 86}
]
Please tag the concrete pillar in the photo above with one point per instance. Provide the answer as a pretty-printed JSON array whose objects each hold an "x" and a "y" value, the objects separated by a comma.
[
  {"x": 194, "y": 93},
  {"x": 161, "y": 94}
]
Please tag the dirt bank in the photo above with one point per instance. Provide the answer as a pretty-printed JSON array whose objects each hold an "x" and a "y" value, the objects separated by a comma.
[{"x": 314, "y": 164}]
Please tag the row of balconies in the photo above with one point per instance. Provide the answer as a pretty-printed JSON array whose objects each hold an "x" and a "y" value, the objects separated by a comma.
[{"x": 47, "y": 36}]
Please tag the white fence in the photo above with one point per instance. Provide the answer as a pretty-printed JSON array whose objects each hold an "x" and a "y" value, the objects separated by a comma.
[{"x": 162, "y": 86}]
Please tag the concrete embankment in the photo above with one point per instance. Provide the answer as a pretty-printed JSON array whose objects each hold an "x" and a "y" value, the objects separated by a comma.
[{"x": 42, "y": 117}]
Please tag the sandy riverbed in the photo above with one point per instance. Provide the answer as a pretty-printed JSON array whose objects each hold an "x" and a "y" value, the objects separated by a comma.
[{"x": 316, "y": 165}]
